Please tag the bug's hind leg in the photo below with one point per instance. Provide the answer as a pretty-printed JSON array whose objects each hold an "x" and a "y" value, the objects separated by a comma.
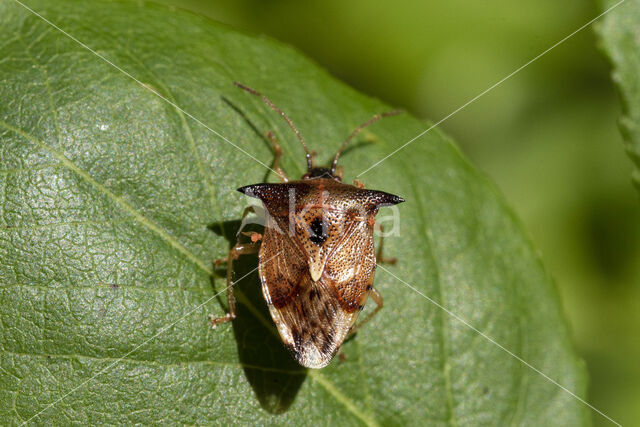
[
  {"x": 244, "y": 223},
  {"x": 377, "y": 298},
  {"x": 277, "y": 157},
  {"x": 379, "y": 257},
  {"x": 235, "y": 252}
]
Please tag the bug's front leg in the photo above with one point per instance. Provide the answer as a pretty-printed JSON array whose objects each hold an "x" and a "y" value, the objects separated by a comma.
[
  {"x": 379, "y": 256},
  {"x": 277, "y": 157},
  {"x": 377, "y": 298},
  {"x": 235, "y": 252}
]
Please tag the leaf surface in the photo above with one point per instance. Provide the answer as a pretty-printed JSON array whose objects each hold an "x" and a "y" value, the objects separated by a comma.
[{"x": 113, "y": 202}]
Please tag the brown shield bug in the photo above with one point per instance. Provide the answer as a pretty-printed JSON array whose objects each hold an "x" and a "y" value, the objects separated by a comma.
[{"x": 316, "y": 259}]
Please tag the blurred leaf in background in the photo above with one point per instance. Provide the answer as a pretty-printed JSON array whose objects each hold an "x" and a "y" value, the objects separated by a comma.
[
  {"x": 620, "y": 33},
  {"x": 548, "y": 136}
]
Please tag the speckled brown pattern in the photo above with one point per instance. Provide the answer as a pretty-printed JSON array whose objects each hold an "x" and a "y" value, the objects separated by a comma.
[
  {"x": 316, "y": 260},
  {"x": 316, "y": 288}
]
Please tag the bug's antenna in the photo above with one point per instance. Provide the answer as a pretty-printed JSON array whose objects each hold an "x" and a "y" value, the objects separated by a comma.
[
  {"x": 286, "y": 118},
  {"x": 357, "y": 130}
]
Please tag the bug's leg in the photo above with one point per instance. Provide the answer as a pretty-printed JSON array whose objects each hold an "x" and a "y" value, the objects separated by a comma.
[
  {"x": 237, "y": 250},
  {"x": 278, "y": 156},
  {"x": 247, "y": 211},
  {"x": 255, "y": 237},
  {"x": 244, "y": 223},
  {"x": 379, "y": 256},
  {"x": 358, "y": 183},
  {"x": 377, "y": 298}
]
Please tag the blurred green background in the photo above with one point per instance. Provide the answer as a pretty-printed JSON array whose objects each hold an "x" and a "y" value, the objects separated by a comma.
[{"x": 548, "y": 136}]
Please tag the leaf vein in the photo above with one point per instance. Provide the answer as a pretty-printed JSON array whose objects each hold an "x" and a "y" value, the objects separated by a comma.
[
  {"x": 109, "y": 285},
  {"x": 31, "y": 168},
  {"x": 185, "y": 125},
  {"x": 34, "y": 227},
  {"x": 172, "y": 241},
  {"x": 340, "y": 397},
  {"x": 154, "y": 362}
]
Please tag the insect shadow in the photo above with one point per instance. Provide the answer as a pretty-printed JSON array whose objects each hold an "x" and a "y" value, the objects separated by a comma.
[{"x": 272, "y": 372}]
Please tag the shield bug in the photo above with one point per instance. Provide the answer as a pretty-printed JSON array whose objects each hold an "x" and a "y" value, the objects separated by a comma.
[{"x": 316, "y": 259}]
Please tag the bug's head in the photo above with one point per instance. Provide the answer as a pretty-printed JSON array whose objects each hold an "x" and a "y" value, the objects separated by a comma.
[
  {"x": 322, "y": 173},
  {"x": 314, "y": 172},
  {"x": 334, "y": 171}
]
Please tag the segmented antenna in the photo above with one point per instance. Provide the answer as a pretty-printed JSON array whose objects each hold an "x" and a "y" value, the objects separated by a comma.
[
  {"x": 355, "y": 132},
  {"x": 287, "y": 119}
]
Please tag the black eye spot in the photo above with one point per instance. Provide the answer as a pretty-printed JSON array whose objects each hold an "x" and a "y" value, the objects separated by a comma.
[{"x": 318, "y": 231}]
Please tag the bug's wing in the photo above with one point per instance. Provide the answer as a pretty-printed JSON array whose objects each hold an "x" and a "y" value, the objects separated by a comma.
[
  {"x": 307, "y": 314},
  {"x": 350, "y": 267},
  {"x": 313, "y": 318},
  {"x": 281, "y": 267}
]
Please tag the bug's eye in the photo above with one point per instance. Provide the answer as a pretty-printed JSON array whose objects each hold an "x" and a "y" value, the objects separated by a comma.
[{"x": 319, "y": 230}]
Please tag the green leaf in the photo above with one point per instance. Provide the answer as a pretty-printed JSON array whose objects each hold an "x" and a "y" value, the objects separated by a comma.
[
  {"x": 620, "y": 37},
  {"x": 114, "y": 202}
]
